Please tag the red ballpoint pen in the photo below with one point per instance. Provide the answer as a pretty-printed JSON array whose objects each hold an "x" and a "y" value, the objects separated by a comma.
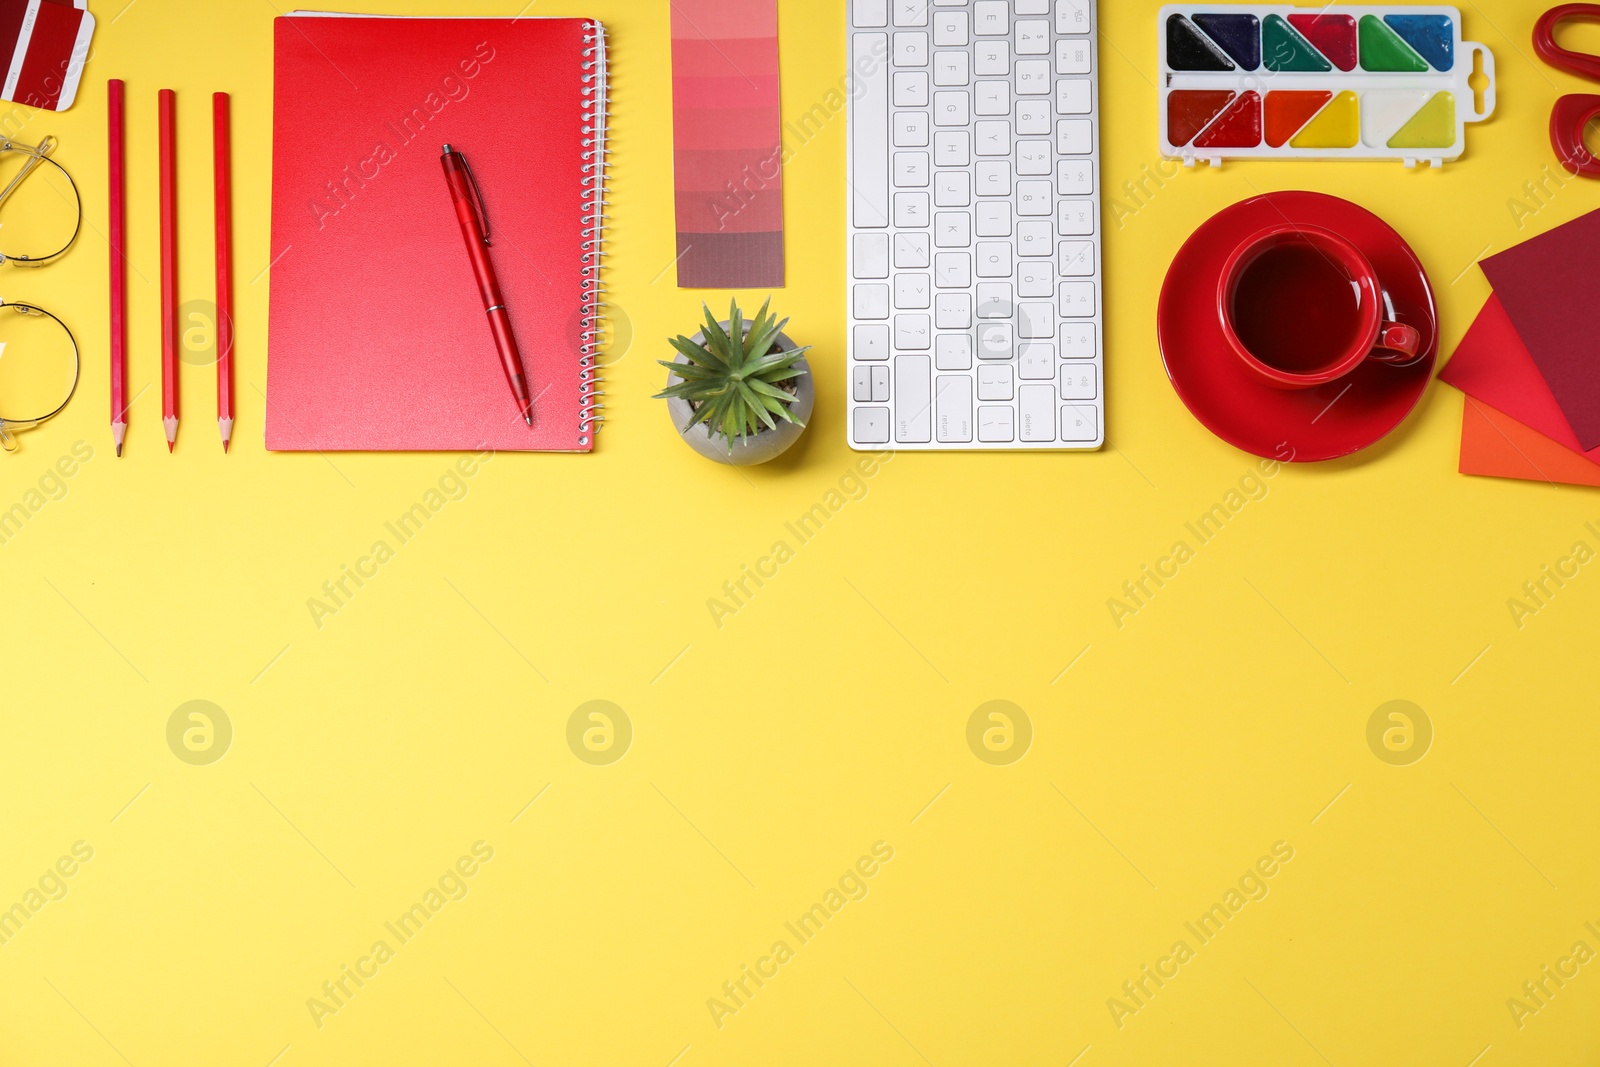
[{"x": 475, "y": 229}]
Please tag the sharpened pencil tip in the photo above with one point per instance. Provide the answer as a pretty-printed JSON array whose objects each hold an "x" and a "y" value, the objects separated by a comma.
[
  {"x": 119, "y": 451},
  {"x": 171, "y": 445}
]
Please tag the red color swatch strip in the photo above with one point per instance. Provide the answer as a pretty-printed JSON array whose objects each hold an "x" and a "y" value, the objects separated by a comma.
[{"x": 728, "y": 144}]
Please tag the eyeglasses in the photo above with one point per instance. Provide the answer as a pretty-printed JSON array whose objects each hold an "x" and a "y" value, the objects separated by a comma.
[{"x": 41, "y": 364}]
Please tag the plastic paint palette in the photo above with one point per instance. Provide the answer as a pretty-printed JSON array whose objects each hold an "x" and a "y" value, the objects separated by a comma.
[{"x": 1318, "y": 83}]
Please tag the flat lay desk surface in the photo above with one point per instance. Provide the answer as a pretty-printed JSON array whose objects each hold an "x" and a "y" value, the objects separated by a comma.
[{"x": 1177, "y": 752}]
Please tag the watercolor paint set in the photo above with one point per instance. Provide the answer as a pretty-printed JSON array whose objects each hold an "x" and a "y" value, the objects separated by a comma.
[{"x": 1242, "y": 82}]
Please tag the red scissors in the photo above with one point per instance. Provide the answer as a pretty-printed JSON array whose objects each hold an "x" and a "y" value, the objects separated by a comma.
[{"x": 1572, "y": 114}]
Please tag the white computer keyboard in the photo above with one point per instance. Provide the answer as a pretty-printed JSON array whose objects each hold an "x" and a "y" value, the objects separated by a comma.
[{"x": 974, "y": 226}]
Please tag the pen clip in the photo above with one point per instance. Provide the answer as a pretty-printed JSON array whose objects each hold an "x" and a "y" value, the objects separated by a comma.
[{"x": 477, "y": 197}]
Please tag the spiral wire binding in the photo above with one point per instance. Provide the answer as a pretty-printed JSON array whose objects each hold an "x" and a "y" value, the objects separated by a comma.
[{"x": 596, "y": 104}]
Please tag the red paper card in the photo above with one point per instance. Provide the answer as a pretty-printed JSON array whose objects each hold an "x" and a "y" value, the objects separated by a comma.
[
  {"x": 1497, "y": 446},
  {"x": 45, "y": 44},
  {"x": 1550, "y": 287},
  {"x": 1493, "y": 365}
]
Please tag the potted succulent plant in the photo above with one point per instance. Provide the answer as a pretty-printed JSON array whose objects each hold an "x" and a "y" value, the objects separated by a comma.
[{"x": 739, "y": 392}]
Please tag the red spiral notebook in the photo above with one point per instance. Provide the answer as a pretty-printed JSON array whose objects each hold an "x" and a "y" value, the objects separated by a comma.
[{"x": 377, "y": 336}]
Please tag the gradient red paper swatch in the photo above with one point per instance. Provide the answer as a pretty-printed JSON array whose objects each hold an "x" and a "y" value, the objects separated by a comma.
[
  {"x": 728, "y": 144},
  {"x": 1550, "y": 286},
  {"x": 1494, "y": 366},
  {"x": 1494, "y": 445}
]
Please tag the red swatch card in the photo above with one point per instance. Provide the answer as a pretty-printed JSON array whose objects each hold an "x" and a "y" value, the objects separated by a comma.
[
  {"x": 1550, "y": 287},
  {"x": 1497, "y": 446},
  {"x": 46, "y": 43},
  {"x": 1493, "y": 365},
  {"x": 728, "y": 144}
]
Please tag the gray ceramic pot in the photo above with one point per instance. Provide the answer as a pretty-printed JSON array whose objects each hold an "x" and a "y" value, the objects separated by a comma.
[{"x": 748, "y": 451}]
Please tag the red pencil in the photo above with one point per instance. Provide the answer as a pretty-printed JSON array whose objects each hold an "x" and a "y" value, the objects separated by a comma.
[
  {"x": 169, "y": 267},
  {"x": 221, "y": 139},
  {"x": 119, "y": 267}
]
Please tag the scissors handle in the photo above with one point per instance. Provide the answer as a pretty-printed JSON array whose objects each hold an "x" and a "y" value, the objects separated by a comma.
[{"x": 1544, "y": 40}]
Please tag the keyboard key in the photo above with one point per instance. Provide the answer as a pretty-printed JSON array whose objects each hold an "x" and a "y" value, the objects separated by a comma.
[
  {"x": 911, "y": 170},
  {"x": 911, "y": 210},
  {"x": 953, "y": 351},
  {"x": 1034, "y": 158},
  {"x": 1073, "y": 97},
  {"x": 952, "y": 188},
  {"x": 870, "y": 14},
  {"x": 953, "y": 399},
  {"x": 992, "y": 98},
  {"x": 953, "y": 270},
  {"x": 952, "y": 229},
  {"x": 911, "y": 50},
  {"x": 994, "y": 138},
  {"x": 1075, "y": 177},
  {"x": 861, "y": 383},
  {"x": 952, "y": 148},
  {"x": 1075, "y": 137},
  {"x": 1036, "y": 278},
  {"x": 994, "y": 218},
  {"x": 1034, "y": 238},
  {"x": 1033, "y": 37},
  {"x": 991, "y": 59},
  {"x": 1036, "y": 320},
  {"x": 996, "y": 340},
  {"x": 1072, "y": 17},
  {"x": 952, "y": 311},
  {"x": 871, "y": 255},
  {"x": 1037, "y": 407},
  {"x": 913, "y": 397},
  {"x": 910, "y": 12},
  {"x": 869, "y": 131},
  {"x": 997, "y": 426},
  {"x": 911, "y": 88},
  {"x": 1033, "y": 118},
  {"x": 871, "y": 343},
  {"x": 1080, "y": 423},
  {"x": 912, "y": 292},
  {"x": 994, "y": 177},
  {"x": 994, "y": 259},
  {"x": 995, "y": 382},
  {"x": 1075, "y": 218},
  {"x": 995, "y": 300},
  {"x": 1074, "y": 57},
  {"x": 911, "y": 129},
  {"x": 1077, "y": 340},
  {"x": 1036, "y": 361},
  {"x": 1035, "y": 199},
  {"x": 913, "y": 333},
  {"x": 950, "y": 29},
  {"x": 1032, "y": 7},
  {"x": 911, "y": 251},
  {"x": 872, "y": 426},
  {"x": 1079, "y": 381},
  {"x": 952, "y": 68},
  {"x": 871, "y": 301},
  {"x": 1077, "y": 259},
  {"x": 1033, "y": 77},
  {"x": 952, "y": 108},
  {"x": 991, "y": 18},
  {"x": 1077, "y": 300}
]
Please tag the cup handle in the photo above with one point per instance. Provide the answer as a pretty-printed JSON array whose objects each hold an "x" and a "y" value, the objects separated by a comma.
[{"x": 1397, "y": 343}]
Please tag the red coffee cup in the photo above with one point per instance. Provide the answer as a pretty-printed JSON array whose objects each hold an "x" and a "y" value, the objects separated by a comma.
[{"x": 1301, "y": 307}]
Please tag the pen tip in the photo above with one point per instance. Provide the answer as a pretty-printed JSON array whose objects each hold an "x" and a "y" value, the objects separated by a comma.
[{"x": 527, "y": 417}]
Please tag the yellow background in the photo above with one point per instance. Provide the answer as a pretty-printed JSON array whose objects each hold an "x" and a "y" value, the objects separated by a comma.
[{"x": 769, "y": 754}]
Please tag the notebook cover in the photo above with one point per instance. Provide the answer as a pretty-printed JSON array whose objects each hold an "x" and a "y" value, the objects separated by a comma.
[
  {"x": 44, "y": 45},
  {"x": 1493, "y": 365},
  {"x": 378, "y": 339},
  {"x": 1550, "y": 287},
  {"x": 1497, "y": 446}
]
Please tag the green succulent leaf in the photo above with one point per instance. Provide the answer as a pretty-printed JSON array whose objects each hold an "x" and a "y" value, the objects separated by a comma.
[{"x": 734, "y": 380}]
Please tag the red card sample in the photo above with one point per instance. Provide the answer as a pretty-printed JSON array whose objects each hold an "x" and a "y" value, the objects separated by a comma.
[
  {"x": 1550, "y": 287},
  {"x": 728, "y": 144},
  {"x": 43, "y": 45},
  {"x": 1493, "y": 365},
  {"x": 1498, "y": 446}
]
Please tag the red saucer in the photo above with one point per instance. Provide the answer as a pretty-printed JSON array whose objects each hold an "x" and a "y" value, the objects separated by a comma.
[{"x": 1307, "y": 425}]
